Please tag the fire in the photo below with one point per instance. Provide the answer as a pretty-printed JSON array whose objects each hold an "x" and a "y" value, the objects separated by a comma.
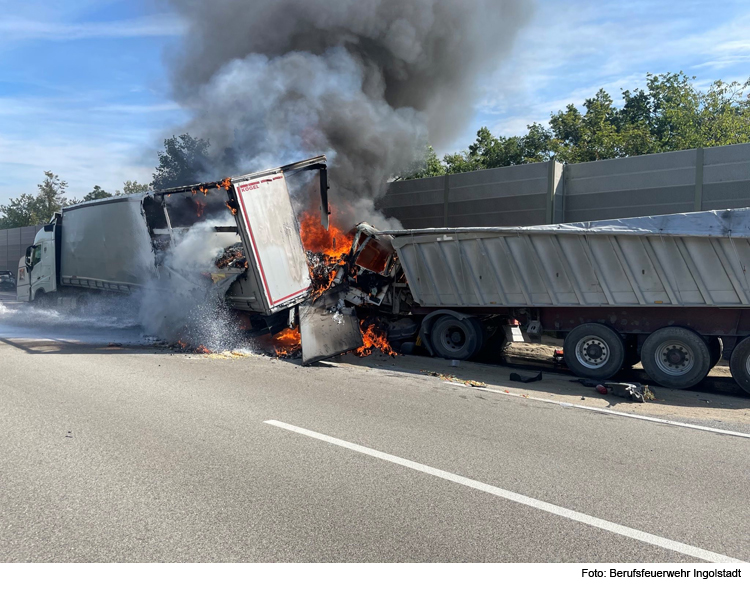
[
  {"x": 287, "y": 342},
  {"x": 225, "y": 184},
  {"x": 315, "y": 238},
  {"x": 373, "y": 338},
  {"x": 202, "y": 349},
  {"x": 200, "y": 206},
  {"x": 326, "y": 250}
]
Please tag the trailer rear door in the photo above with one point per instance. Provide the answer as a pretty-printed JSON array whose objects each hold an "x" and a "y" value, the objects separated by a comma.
[{"x": 278, "y": 257}]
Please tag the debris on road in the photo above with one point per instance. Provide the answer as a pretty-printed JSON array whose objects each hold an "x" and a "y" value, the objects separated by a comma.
[
  {"x": 516, "y": 377},
  {"x": 635, "y": 391},
  {"x": 452, "y": 378}
]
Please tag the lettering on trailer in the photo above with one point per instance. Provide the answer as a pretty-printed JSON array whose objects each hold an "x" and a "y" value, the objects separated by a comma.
[{"x": 254, "y": 185}]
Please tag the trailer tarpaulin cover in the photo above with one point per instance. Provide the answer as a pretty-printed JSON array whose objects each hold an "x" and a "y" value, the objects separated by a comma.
[{"x": 722, "y": 222}]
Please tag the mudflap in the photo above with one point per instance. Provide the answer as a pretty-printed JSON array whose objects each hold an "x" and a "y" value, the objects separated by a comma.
[{"x": 327, "y": 329}]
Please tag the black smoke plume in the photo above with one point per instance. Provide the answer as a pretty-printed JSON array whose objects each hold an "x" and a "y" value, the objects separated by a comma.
[{"x": 367, "y": 82}]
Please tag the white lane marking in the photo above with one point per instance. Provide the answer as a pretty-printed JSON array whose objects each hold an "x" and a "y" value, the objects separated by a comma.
[
  {"x": 517, "y": 498},
  {"x": 605, "y": 411}
]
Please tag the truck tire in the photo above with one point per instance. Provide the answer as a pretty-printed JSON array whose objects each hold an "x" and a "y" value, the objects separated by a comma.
[
  {"x": 481, "y": 332},
  {"x": 454, "y": 338},
  {"x": 715, "y": 349},
  {"x": 676, "y": 357},
  {"x": 594, "y": 351},
  {"x": 739, "y": 364}
]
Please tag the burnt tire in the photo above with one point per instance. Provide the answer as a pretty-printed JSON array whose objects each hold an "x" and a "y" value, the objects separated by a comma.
[
  {"x": 456, "y": 338},
  {"x": 594, "y": 351},
  {"x": 676, "y": 357},
  {"x": 739, "y": 364},
  {"x": 715, "y": 350}
]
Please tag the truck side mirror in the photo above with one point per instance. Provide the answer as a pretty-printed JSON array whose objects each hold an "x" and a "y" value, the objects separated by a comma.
[{"x": 29, "y": 253}]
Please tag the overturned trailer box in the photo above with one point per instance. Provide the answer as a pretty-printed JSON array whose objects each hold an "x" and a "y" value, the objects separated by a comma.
[
  {"x": 273, "y": 275},
  {"x": 671, "y": 291}
]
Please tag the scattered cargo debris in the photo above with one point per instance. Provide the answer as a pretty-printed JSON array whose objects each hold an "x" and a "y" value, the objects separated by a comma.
[
  {"x": 516, "y": 377},
  {"x": 452, "y": 378},
  {"x": 233, "y": 257},
  {"x": 635, "y": 391}
]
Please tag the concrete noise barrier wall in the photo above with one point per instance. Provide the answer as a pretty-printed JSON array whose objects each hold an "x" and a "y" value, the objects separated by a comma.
[{"x": 550, "y": 192}]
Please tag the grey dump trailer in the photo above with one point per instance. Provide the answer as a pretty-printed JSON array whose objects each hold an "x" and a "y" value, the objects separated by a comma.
[
  {"x": 670, "y": 291},
  {"x": 129, "y": 243}
]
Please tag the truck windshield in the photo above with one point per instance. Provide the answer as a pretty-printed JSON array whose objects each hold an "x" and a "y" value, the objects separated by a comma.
[{"x": 37, "y": 255}]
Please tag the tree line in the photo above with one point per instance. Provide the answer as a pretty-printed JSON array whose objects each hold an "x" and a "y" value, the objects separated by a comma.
[{"x": 670, "y": 114}]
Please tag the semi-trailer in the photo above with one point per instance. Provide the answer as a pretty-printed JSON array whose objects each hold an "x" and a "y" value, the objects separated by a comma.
[{"x": 669, "y": 291}]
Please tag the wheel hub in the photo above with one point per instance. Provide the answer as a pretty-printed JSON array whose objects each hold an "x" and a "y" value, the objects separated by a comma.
[
  {"x": 675, "y": 358},
  {"x": 592, "y": 352},
  {"x": 454, "y": 339}
]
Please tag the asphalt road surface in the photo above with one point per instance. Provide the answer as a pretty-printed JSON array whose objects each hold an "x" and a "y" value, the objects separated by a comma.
[{"x": 138, "y": 454}]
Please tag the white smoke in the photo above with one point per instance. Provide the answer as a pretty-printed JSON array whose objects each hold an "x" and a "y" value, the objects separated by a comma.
[{"x": 183, "y": 303}]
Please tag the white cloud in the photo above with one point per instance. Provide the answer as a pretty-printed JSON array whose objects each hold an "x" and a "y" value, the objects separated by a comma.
[
  {"x": 25, "y": 29},
  {"x": 85, "y": 141},
  {"x": 573, "y": 48}
]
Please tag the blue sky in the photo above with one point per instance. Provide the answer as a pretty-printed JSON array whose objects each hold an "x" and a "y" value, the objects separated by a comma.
[{"x": 83, "y": 88}]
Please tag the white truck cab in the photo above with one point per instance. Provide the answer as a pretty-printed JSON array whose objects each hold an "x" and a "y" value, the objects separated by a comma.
[{"x": 37, "y": 277}]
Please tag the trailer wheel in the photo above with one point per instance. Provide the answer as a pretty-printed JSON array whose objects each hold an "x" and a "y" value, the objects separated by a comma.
[
  {"x": 481, "y": 333},
  {"x": 739, "y": 364},
  {"x": 594, "y": 351},
  {"x": 676, "y": 357},
  {"x": 715, "y": 349},
  {"x": 454, "y": 338}
]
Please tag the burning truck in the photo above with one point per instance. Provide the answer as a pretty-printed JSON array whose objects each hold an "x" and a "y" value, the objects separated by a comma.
[{"x": 277, "y": 286}]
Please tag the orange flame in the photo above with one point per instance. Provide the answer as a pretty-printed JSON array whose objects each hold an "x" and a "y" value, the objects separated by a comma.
[
  {"x": 200, "y": 206},
  {"x": 232, "y": 209},
  {"x": 202, "y": 349},
  {"x": 287, "y": 342},
  {"x": 225, "y": 184},
  {"x": 332, "y": 242},
  {"x": 373, "y": 337}
]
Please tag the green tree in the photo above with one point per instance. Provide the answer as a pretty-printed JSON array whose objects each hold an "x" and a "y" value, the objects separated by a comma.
[
  {"x": 132, "y": 188},
  {"x": 29, "y": 210},
  {"x": 429, "y": 166},
  {"x": 183, "y": 162},
  {"x": 96, "y": 193},
  {"x": 669, "y": 114}
]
